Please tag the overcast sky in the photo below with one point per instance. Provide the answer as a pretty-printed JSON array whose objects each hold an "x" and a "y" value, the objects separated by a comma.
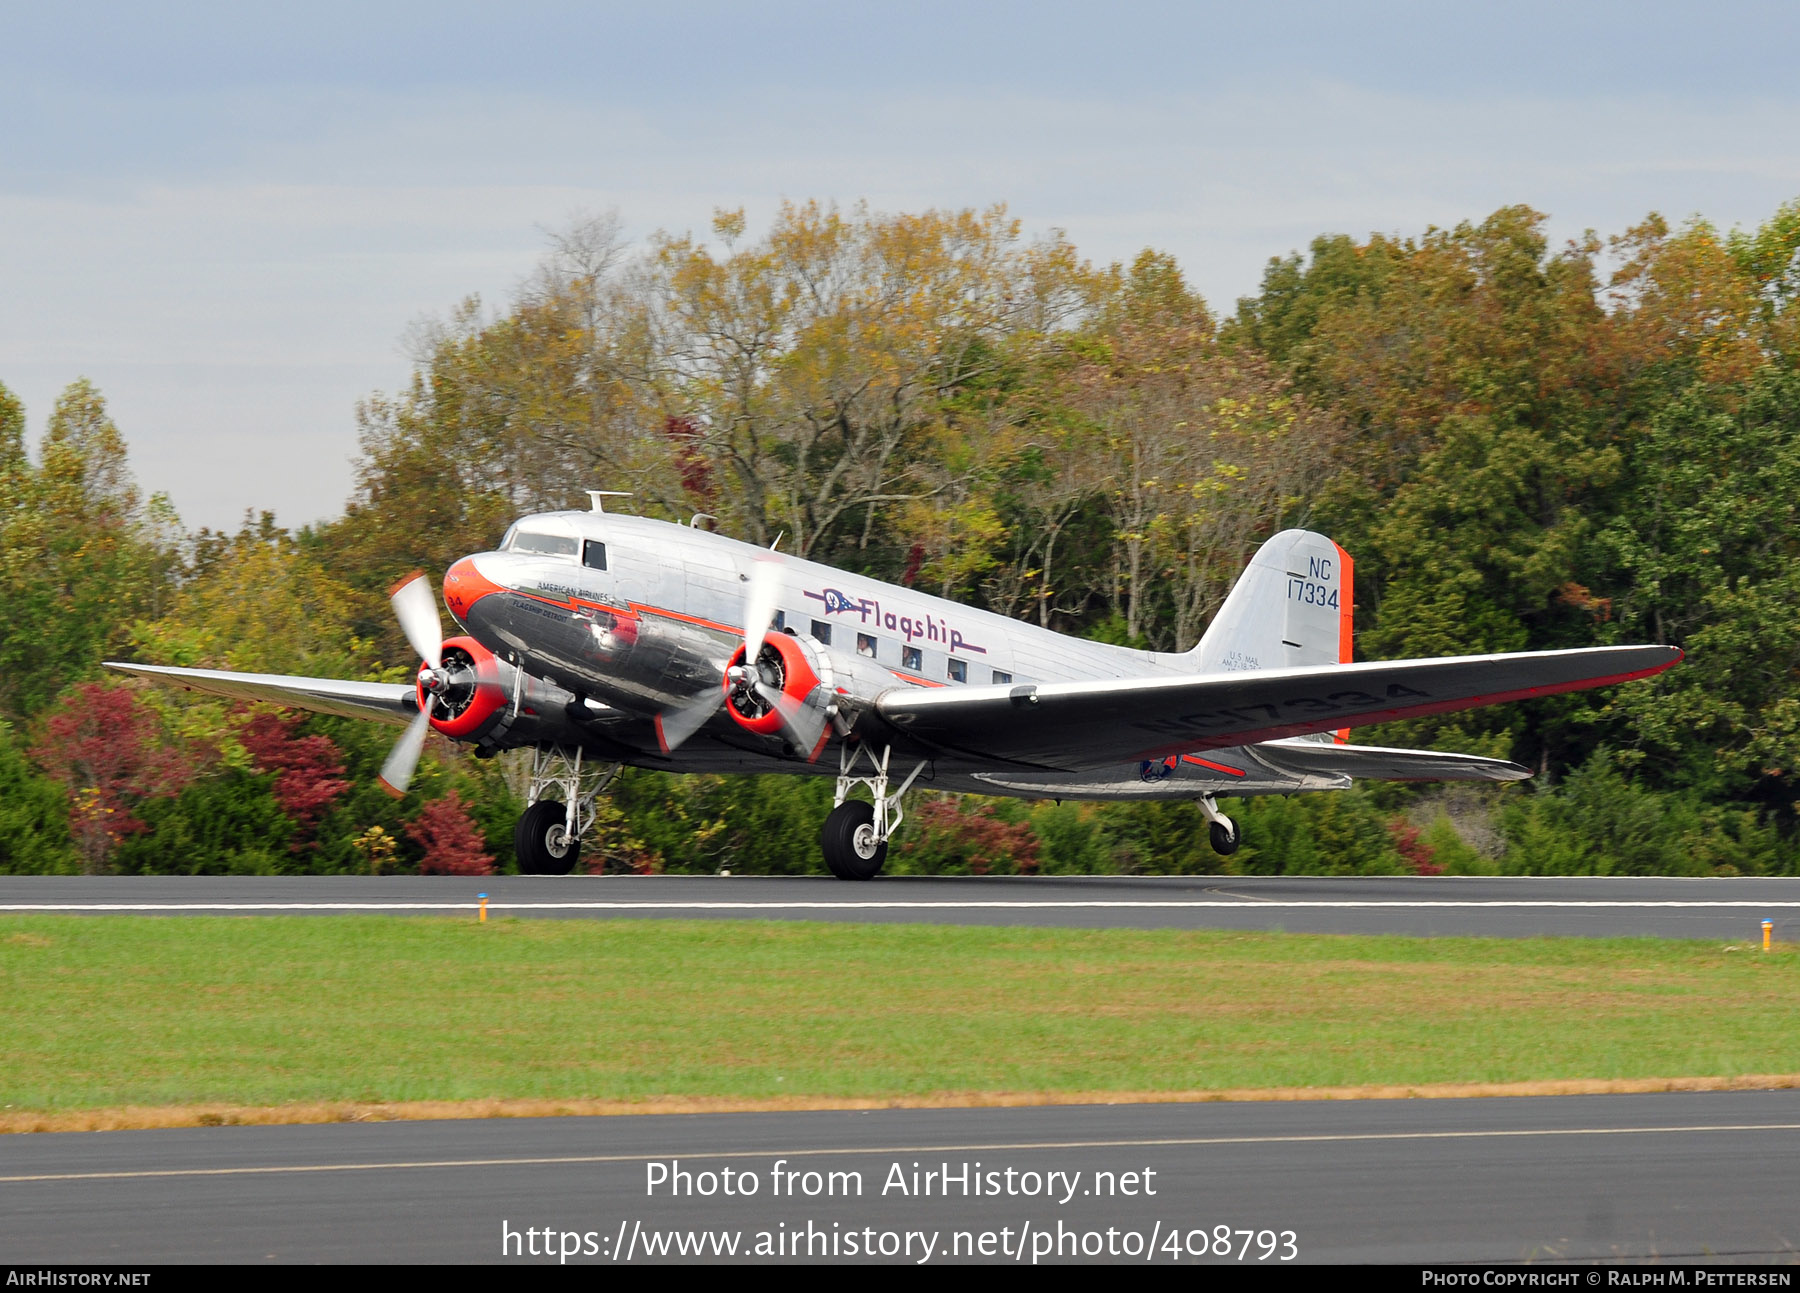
[{"x": 227, "y": 215}]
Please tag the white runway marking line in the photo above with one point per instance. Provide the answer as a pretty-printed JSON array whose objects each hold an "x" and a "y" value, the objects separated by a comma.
[
  {"x": 878, "y": 905},
  {"x": 881, "y": 1150}
]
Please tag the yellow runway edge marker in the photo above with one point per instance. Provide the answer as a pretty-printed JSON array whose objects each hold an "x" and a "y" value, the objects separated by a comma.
[
  {"x": 483, "y": 917},
  {"x": 1768, "y": 930}
]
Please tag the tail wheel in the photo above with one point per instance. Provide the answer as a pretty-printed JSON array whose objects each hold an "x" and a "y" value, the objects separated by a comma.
[
  {"x": 1225, "y": 837},
  {"x": 542, "y": 841},
  {"x": 848, "y": 841}
]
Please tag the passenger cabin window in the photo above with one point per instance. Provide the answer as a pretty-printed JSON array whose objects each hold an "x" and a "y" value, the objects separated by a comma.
[
  {"x": 821, "y": 632},
  {"x": 1001, "y": 675},
  {"x": 559, "y": 545},
  {"x": 865, "y": 645},
  {"x": 959, "y": 671},
  {"x": 910, "y": 659},
  {"x": 593, "y": 554}
]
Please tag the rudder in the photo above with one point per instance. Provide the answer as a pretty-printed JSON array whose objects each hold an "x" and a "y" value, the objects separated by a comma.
[{"x": 1292, "y": 606}]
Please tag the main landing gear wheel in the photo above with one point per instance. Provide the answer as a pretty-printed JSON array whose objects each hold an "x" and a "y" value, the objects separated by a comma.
[
  {"x": 849, "y": 841},
  {"x": 1225, "y": 836},
  {"x": 542, "y": 841}
]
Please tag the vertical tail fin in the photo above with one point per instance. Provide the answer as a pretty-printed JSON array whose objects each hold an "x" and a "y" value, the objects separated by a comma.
[{"x": 1291, "y": 606}]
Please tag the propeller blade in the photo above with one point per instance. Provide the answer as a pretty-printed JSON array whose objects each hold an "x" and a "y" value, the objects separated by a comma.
[
  {"x": 805, "y": 725},
  {"x": 415, "y": 606},
  {"x": 403, "y": 759},
  {"x": 759, "y": 606},
  {"x": 674, "y": 726}
]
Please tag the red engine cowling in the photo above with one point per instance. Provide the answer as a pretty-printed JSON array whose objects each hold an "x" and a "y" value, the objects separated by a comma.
[
  {"x": 784, "y": 664},
  {"x": 475, "y": 698}
]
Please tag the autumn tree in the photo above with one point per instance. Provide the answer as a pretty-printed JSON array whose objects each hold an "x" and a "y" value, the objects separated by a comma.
[
  {"x": 75, "y": 561},
  {"x": 1769, "y": 257},
  {"x": 1204, "y": 452},
  {"x": 259, "y": 600},
  {"x": 819, "y": 358},
  {"x": 105, "y": 746}
]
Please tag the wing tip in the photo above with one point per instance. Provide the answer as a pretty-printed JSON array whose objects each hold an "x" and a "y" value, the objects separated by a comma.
[{"x": 388, "y": 786}]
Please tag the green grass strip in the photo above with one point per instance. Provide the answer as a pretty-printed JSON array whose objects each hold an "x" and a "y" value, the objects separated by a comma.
[{"x": 107, "y": 1011}]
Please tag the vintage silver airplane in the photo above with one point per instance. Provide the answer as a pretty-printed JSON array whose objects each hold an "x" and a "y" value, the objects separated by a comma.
[{"x": 598, "y": 640}]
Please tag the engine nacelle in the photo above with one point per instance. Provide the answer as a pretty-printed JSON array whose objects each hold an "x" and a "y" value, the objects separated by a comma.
[
  {"x": 788, "y": 665},
  {"x": 474, "y": 700}
]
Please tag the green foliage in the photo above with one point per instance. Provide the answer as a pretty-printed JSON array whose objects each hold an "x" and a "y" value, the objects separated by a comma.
[
  {"x": 34, "y": 816},
  {"x": 1601, "y": 823},
  {"x": 1451, "y": 852},
  {"x": 225, "y": 824},
  {"x": 1704, "y": 554},
  {"x": 1073, "y": 840},
  {"x": 762, "y": 825},
  {"x": 1157, "y": 837},
  {"x": 76, "y": 560},
  {"x": 1342, "y": 833}
]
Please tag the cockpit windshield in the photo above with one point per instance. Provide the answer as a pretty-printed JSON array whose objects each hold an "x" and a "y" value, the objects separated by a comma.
[{"x": 560, "y": 545}]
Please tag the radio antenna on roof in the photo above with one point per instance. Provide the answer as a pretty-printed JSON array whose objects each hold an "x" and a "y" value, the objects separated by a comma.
[{"x": 595, "y": 495}]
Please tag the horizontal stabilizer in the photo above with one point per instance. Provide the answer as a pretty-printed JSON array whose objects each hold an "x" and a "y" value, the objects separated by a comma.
[
  {"x": 394, "y": 702},
  {"x": 1379, "y": 764}
]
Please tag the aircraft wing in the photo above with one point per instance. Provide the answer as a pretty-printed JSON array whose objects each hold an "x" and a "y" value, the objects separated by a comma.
[
  {"x": 1083, "y": 726},
  {"x": 392, "y": 702}
]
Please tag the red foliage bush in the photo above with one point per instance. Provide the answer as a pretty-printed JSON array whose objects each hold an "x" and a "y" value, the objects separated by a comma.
[
  {"x": 696, "y": 471},
  {"x": 105, "y": 746},
  {"x": 450, "y": 838},
  {"x": 915, "y": 558},
  {"x": 310, "y": 770},
  {"x": 1412, "y": 850},
  {"x": 941, "y": 838}
]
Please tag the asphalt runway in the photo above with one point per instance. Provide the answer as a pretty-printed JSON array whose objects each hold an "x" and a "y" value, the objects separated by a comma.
[
  {"x": 1725, "y": 909},
  {"x": 1703, "y": 1177}
]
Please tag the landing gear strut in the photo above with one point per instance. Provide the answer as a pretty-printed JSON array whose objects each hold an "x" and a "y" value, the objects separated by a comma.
[
  {"x": 1222, "y": 831},
  {"x": 855, "y": 837},
  {"x": 548, "y": 836}
]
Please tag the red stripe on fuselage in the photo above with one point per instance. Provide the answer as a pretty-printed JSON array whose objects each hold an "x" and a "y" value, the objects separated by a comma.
[
  {"x": 631, "y": 610},
  {"x": 1216, "y": 767}
]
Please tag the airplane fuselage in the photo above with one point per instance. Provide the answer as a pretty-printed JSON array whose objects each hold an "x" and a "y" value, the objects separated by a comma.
[{"x": 615, "y": 619}]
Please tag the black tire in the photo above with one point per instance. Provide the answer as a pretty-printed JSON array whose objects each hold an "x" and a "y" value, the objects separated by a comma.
[
  {"x": 536, "y": 837},
  {"x": 849, "y": 851},
  {"x": 1225, "y": 837}
]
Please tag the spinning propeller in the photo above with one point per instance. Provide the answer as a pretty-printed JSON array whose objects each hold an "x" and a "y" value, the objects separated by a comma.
[
  {"x": 755, "y": 683},
  {"x": 415, "y": 606}
]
